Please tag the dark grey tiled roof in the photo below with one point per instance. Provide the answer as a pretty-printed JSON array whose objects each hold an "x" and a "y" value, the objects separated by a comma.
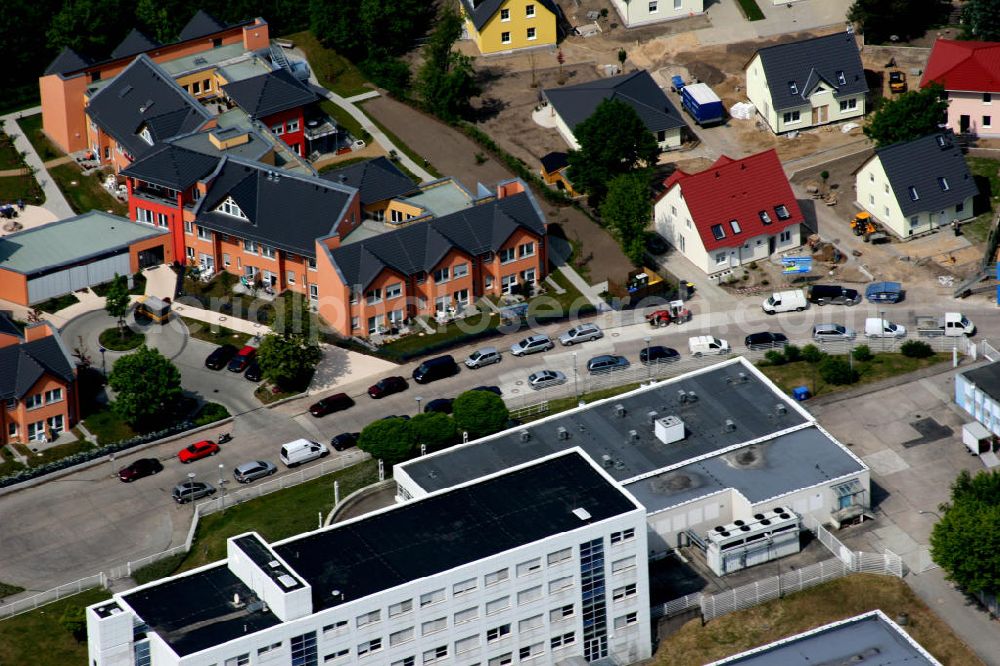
[
  {"x": 24, "y": 364},
  {"x": 574, "y": 104},
  {"x": 172, "y": 166},
  {"x": 7, "y": 324},
  {"x": 554, "y": 161},
  {"x": 200, "y": 25},
  {"x": 285, "y": 210},
  {"x": 67, "y": 61},
  {"x": 986, "y": 378},
  {"x": 481, "y": 11},
  {"x": 134, "y": 43},
  {"x": 805, "y": 63},
  {"x": 376, "y": 180},
  {"x": 928, "y": 164},
  {"x": 419, "y": 247},
  {"x": 269, "y": 93},
  {"x": 144, "y": 96}
]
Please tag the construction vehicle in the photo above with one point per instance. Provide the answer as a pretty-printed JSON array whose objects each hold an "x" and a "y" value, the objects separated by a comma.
[
  {"x": 951, "y": 324},
  {"x": 674, "y": 313},
  {"x": 864, "y": 225},
  {"x": 897, "y": 81}
]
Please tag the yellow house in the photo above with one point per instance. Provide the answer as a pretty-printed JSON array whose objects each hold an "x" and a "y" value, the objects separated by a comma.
[{"x": 501, "y": 26}]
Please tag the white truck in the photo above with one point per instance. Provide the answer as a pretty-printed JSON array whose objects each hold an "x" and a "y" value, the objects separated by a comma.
[
  {"x": 950, "y": 324},
  {"x": 785, "y": 301}
]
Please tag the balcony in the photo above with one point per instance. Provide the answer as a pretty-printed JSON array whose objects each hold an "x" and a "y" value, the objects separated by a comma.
[{"x": 156, "y": 197}]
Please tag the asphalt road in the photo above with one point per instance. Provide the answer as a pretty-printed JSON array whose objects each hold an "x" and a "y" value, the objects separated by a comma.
[{"x": 89, "y": 521}]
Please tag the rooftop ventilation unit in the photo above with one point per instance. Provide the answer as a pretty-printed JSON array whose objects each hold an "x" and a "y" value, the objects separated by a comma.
[
  {"x": 607, "y": 461},
  {"x": 682, "y": 396},
  {"x": 581, "y": 513},
  {"x": 633, "y": 435},
  {"x": 669, "y": 429},
  {"x": 651, "y": 415},
  {"x": 274, "y": 564},
  {"x": 781, "y": 409},
  {"x": 525, "y": 435},
  {"x": 563, "y": 433},
  {"x": 620, "y": 410},
  {"x": 729, "y": 426},
  {"x": 287, "y": 581},
  {"x": 692, "y": 396},
  {"x": 742, "y": 378}
]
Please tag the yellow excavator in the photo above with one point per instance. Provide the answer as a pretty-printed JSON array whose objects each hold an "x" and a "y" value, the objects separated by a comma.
[{"x": 863, "y": 225}]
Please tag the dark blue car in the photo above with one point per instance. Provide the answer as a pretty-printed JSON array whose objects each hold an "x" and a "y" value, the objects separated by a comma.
[{"x": 884, "y": 292}]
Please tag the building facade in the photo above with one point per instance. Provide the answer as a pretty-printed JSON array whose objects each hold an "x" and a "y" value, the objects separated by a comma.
[
  {"x": 636, "y": 13},
  {"x": 502, "y": 26},
  {"x": 967, "y": 71},
  {"x": 557, "y": 573}
]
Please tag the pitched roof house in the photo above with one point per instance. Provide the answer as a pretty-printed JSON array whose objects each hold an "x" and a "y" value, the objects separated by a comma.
[
  {"x": 970, "y": 73},
  {"x": 502, "y": 26},
  {"x": 377, "y": 181},
  {"x": 264, "y": 95},
  {"x": 571, "y": 105},
  {"x": 733, "y": 213},
  {"x": 917, "y": 186},
  {"x": 807, "y": 83},
  {"x": 635, "y": 14}
]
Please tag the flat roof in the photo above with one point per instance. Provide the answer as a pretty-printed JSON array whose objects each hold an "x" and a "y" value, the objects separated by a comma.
[
  {"x": 721, "y": 394},
  {"x": 202, "y": 59},
  {"x": 71, "y": 240},
  {"x": 431, "y": 535},
  {"x": 986, "y": 378},
  {"x": 760, "y": 471},
  {"x": 244, "y": 69},
  {"x": 871, "y": 639},
  {"x": 441, "y": 198}
]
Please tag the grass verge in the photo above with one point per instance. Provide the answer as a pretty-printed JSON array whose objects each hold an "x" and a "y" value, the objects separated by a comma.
[
  {"x": 107, "y": 427},
  {"x": 333, "y": 70},
  {"x": 58, "y": 303},
  {"x": 32, "y": 128},
  {"x": 21, "y": 188},
  {"x": 882, "y": 366},
  {"x": 8, "y": 465},
  {"x": 846, "y": 597},
  {"x": 214, "y": 333},
  {"x": 268, "y": 393},
  {"x": 280, "y": 515},
  {"x": 10, "y": 158},
  {"x": 40, "y": 638},
  {"x": 85, "y": 193},
  {"x": 210, "y": 412},
  {"x": 750, "y": 10},
  {"x": 344, "y": 119},
  {"x": 54, "y": 453},
  {"x": 564, "y": 404},
  {"x": 6, "y": 589},
  {"x": 402, "y": 146},
  {"x": 124, "y": 339}
]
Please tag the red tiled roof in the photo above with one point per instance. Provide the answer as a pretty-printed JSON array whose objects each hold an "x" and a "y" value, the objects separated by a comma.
[
  {"x": 738, "y": 190},
  {"x": 973, "y": 66}
]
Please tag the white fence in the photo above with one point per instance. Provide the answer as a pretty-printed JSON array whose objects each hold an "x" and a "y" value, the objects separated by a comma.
[{"x": 55, "y": 594}]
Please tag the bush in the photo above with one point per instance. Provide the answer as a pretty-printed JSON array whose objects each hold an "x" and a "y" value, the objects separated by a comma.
[
  {"x": 793, "y": 353},
  {"x": 916, "y": 349},
  {"x": 862, "y": 353},
  {"x": 812, "y": 354},
  {"x": 210, "y": 412},
  {"x": 480, "y": 413},
  {"x": 775, "y": 357},
  {"x": 837, "y": 370},
  {"x": 74, "y": 620}
]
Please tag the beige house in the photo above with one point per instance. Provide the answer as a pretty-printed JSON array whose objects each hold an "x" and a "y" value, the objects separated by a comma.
[
  {"x": 636, "y": 13},
  {"x": 807, "y": 83},
  {"x": 918, "y": 186}
]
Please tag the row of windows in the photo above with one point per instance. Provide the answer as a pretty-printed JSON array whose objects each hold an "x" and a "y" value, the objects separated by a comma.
[
  {"x": 38, "y": 399},
  {"x": 723, "y": 257},
  {"x": 654, "y": 5},
  {"x": 719, "y": 231},
  {"x": 290, "y": 127},
  {"x": 530, "y": 34},
  {"x": 199, "y": 87},
  {"x": 529, "y": 12},
  {"x": 36, "y": 430}
]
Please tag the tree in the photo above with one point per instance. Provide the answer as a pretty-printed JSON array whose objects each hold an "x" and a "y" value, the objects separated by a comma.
[
  {"x": 966, "y": 541},
  {"x": 480, "y": 413},
  {"x": 916, "y": 349},
  {"x": 837, "y": 370},
  {"x": 812, "y": 354},
  {"x": 627, "y": 211},
  {"x": 447, "y": 79},
  {"x": 391, "y": 440},
  {"x": 146, "y": 385},
  {"x": 862, "y": 353},
  {"x": 163, "y": 19},
  {"x": 434, "y": 430},
  {"x": 288, "y": 360},
  {"x": 881, "y": 20},
  {"x": 613, "y": 141},
  {"x": 981, "y": 20},
  {"x": 910, "y": 116},
  {"x": 116, "y": 301},
  {"x": 92, "y": 27}
]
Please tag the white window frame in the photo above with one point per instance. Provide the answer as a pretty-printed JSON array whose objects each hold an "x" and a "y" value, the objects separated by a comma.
[
  {"x": 531, "y": 34},
  {"x": 505, "y": 37},
  {"x": 54, "y": 395},
  {"x": 529, "y": 11}
]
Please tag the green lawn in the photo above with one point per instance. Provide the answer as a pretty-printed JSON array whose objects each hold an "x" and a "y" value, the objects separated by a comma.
[
  {"x": 882, "y": 366},
  {"x": 402, "y": 146},
  {"x": 32, "y": 128},
  {"x": 278, "y": 515},
  {"x": 210, "y": 412},
  {"x": 751, "y": 10},
  {"x": 87, "y": 193},
  {"x": 58, "y": 303},
  {"x": 24, "y": 188},
  {"x": 39, "y": 638},
  {"x": 10, "y": 158},
  {"x": 215, "y": 334},
  {"x": 107, "y": 427},
  {"x": 334, "y": 71},
  {"x": 8, "y": 465},
  {"x": 118, "y": 339},
  {"x": 58, "y": 452},
  {"x": 344, "y": 119},
  {"x": 982, "y": 168}
]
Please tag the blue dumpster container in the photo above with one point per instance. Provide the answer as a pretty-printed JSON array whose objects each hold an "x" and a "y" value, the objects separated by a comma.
[{"x": 800, "y": 393}]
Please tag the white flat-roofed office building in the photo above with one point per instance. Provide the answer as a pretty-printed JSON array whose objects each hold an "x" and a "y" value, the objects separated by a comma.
[
  {"x": 712, "y": 447},
  {"x": 543, "y": 563}
]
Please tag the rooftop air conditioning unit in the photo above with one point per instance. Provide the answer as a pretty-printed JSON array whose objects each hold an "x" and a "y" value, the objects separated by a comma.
[
  {"x": 729, "y": 426},
  {"x": 525, "y": 435},
  {"x": 692, "y": 396},
  {"x": 633, "y": 435},
  {"x": 669, "y": 429},
  {"x": 682, "y": 396},
  {"x": 781, "y": 409},
  {"x": 563, "y": 433},
  {"x": 620, "y": 410},
  {"x": 651, "y": 415}
]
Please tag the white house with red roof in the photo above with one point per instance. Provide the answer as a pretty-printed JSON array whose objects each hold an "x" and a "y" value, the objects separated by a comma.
[
  {"x": 733, "y": 213},
  {"x": 970, "y": 74}
]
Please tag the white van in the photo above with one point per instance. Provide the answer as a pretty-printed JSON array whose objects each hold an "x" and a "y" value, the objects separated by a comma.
[
  {"x": 785, "y": 301},
  {"x": 876, "y": 327},
  {"x": 700, "y": 345},
  {"x": 301, "y": 451}
]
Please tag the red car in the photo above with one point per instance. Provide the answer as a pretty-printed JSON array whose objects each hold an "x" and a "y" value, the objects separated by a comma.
[
  {"x": 242, "y": 359},
  {"x": 387, "y": 386},
  {"x": 198, "y": 450},
  {"x": 140, "y": 468}
]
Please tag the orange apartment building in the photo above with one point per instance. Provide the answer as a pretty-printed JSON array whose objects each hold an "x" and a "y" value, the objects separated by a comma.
[{"x": 38, "y": 390}]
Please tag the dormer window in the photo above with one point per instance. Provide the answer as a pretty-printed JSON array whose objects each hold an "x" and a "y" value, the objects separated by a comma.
[
  {"x": 793, "y": 88},
  {"x": 230, "y": 207},
  {"x": 782, "y": 211},
  {"x": 941, "y": 142},
  {"x": 943, "y": 182},
  {"x": 718, "y": 231},
  {"x": 764, "y": 217},
  {"x": 146, "y": 135},
  {"x": 913, "y": 193},
  {"x": 735, "y": 226},
  {"x": 841, "y": 79}
]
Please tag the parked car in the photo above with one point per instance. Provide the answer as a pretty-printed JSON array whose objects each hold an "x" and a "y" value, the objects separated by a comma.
[
  {"x": 581, "y": 333},
  {"x": 655, "y": 243},
  {"x": 330, "y": 404},
  {"x": 434, "y": 369},
  {"x": 253, "y": 470},
  {"x": 483, "y": 357},
  {"x": 253, "y": 372},
  {"x": 387, "y": 386},
  {"x": 785, "y": 301},
  {"x": 765, "y": 340},
  {"x": 242, "y": 359},
  {"x": 545, "y": 378},
  {"x": 884, "y": 292},
  {"x": 832, "y": 332},
  {"x": 442, "y": 405},
  {"x": 140, "y": 468},
  {"x": 658, "y": 354},
  {"x": 607, "y": 363},
  {"x": 220, "y": 356},
  {"x": 198, "y": 450},
  {"x": 491, "y": 389},
  {"x": 188, "y": 491},
  {"x": 823, "y": 294},
  {"x": 700, "y": 345},
  {"x": 344, "y": 441},
  {"x": 876, "y": 327},
  {"x": 301, "y": 451},
  {"x": 532, "y": 345}
]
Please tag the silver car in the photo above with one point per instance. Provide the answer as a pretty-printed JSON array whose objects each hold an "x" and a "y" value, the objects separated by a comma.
[
  {"x": 253, "y": 470},
  {"x": 581, "y": 333},
  {"x": 531, "y": 345},
  {"x": 188, "y": 491},
  {"x": 483, "y": 357},
  {"x": 832, "y": 332},
  {"x": 545, "y": 378}
]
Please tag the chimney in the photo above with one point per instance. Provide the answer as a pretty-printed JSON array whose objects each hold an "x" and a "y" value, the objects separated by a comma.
[{"x": 37, "y": 332}]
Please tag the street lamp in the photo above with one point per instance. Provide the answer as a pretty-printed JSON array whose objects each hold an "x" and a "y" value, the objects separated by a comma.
[
  {"x": 191, "y": 476},
  {"x": 576, "y": 385},
  {"x": 649, "y": 363},
  {"x": 418, "y": 399},
  {"x": 104, "y": 366},
  {"x": 222, "y": 481}
]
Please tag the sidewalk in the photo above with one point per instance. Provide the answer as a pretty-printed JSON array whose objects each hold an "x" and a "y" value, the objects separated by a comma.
[
  {"x": 560, "y": 249},
  {"x": 54, "y": 199}
]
